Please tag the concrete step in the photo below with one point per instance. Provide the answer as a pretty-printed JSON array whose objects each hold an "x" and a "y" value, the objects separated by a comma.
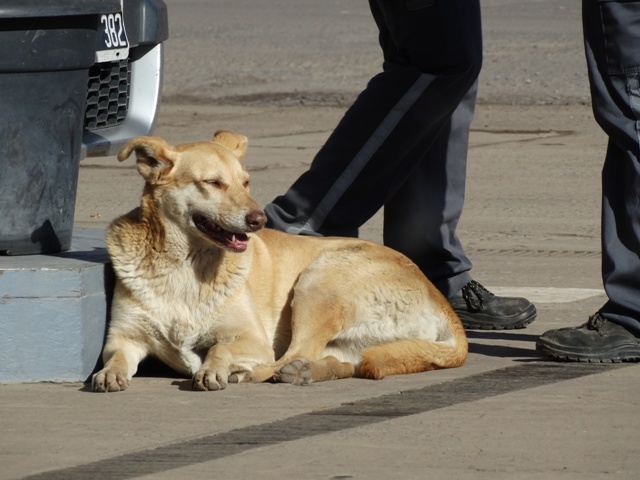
[{"x": 53, "y": 311}]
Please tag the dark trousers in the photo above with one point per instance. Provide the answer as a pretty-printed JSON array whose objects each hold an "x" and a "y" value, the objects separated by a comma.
[
  {"x": 612, "y": 46},
  {"x": 403, "y": 143}
]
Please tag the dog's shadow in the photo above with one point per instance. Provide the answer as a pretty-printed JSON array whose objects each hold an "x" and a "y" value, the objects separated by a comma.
[
  {"x": 183, "y": 385},
  {"x": 526, "y": 353}
]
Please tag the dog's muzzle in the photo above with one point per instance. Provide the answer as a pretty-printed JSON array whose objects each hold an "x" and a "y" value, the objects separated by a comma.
[{"x": 234, "y": 241}]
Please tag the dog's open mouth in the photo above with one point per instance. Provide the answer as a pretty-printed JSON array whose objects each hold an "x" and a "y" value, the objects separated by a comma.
[{"x": 233, "y": 241}]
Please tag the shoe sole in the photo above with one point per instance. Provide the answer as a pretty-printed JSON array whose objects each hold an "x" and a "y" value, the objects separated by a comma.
[
  {"x": 477, "y": 322},
  {"x": 566, "y": 356}
]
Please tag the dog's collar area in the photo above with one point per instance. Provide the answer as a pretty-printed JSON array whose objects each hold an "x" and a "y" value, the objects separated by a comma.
[{"x": 236, "y": 242}]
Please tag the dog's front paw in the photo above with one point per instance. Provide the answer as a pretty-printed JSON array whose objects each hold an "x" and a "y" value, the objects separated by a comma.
[
  {"x": 297, "y": 372},
  {"x": 109, "y": 380},
  {"x": 209, "y": 380}
]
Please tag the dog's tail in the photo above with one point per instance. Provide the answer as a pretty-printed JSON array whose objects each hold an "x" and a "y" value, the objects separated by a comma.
[{"x": 415, "y": 355}]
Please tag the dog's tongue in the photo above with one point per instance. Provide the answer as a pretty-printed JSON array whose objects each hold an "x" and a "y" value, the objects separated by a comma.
[
  {"x": 234, "y": 241},
  {"x": 238, "y": 242}
]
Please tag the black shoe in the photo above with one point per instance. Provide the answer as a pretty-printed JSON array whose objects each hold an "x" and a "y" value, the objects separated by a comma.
[
  {"x": 479, "y": 309},
  {"x": 598, "y": 340}
]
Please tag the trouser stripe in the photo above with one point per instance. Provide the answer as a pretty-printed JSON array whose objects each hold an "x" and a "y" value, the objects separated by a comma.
[{"x": 365, "y": 154}]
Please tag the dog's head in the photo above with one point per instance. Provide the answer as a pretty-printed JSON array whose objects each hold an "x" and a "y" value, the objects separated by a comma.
[{"x": 201, "y": 188}]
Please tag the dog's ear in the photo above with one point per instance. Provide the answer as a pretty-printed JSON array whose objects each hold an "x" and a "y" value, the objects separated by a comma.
[
  {"x": 233, "y": 141},
  {"x": 154, "y": 157}
]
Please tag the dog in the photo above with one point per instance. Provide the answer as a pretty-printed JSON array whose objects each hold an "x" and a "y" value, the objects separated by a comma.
[{"x": 204, "y": 288}]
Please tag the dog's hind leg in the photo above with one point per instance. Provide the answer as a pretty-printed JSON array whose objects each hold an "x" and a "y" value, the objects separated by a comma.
[
  {"x": 411, "y": 356},
  {"x": 302, "y": 371},
  {"x": 260, "y": 373},
  {"x": 316, "y": 320}
]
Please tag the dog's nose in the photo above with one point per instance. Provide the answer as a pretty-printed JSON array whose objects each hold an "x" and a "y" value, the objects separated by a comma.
[{"x": 256, "y": 220}]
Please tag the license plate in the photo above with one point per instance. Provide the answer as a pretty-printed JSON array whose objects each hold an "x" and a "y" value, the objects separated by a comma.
[{"x": 112, "y": 38}]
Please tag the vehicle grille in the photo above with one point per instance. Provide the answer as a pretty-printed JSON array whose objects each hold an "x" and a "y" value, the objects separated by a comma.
[{"x": 107, "y": 94}]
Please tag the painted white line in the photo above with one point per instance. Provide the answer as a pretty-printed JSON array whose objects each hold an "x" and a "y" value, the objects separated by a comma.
[{"x": 548, "y": 294}]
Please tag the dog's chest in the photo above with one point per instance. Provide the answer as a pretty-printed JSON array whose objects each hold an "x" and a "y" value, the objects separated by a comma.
[{"x": 188, "y": 310}]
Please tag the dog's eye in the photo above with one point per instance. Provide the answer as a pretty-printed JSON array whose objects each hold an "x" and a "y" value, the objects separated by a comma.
[
  {"x": 215, "y": 183},
  {"x": 246, "y": 184}
]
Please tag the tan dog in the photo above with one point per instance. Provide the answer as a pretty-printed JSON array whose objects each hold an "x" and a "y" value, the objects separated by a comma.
[{"x": 202, "y": 290}]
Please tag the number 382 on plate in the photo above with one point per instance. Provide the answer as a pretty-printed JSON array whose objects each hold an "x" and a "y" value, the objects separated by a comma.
[{"x": 112, "y": 42}]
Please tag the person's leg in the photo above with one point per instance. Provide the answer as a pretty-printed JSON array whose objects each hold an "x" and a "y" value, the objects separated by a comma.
[
  {"x": 404, "y": 114},
  {"x": 421, "y": 218},
  {"x": 432, "y": 57},
  {"x": 612, "y": 35},
  {"x": 420, "y": 221}
]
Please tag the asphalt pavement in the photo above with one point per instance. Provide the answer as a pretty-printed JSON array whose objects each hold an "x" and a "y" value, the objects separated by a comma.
[{"x": 530, "y": 226}]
